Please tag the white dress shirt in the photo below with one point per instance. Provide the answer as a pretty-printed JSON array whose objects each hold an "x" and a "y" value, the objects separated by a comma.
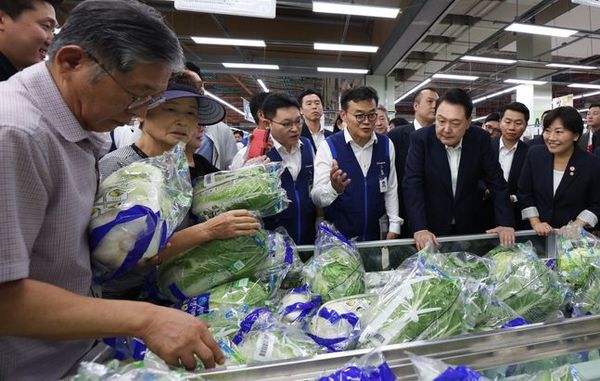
[
  {"x": 453, "y": 154},
  {"x": 323, "y": 193},
  {"x": 318, "y": 137},
  {"x": 417, "y": 125},
  {"x": 505, "y": 157}
]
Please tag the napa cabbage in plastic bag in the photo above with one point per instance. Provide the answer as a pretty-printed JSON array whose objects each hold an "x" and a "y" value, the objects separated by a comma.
[
  {"x": 336, "y": 270},
  {"x": 282, "y": 259},
  {"x": 256, "y": 188},
  {"x": 211, "y": 264},
  {"x": 337, "y": 324},
  {"x": 523, "y": 281},
  {"x": 586, "y": 301},
  {"x": 298, "y": 304},
  {"x": 370, "y": 367},
  {"x": 136, "y": 210},
  {"x": 577, "y": 255},
  {"x": 262, "y": 338}
]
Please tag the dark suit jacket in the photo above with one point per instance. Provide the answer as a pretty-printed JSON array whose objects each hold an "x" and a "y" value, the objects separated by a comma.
[
  {"x": 427, "y": 185},
  {"x": 583, "y": 141},
  {"x": 575, "y": 193},
  {"x": 306, "y": 133}
]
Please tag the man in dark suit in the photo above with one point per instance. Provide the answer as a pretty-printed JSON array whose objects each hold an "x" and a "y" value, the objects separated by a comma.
[
  {"x": 444, "y": 165},
  {"x": 592, "y": 119},
  {"x": 311, "y": 107},
  {"x": 424, "y": 107},
  {"x": 510, "y": 152}
]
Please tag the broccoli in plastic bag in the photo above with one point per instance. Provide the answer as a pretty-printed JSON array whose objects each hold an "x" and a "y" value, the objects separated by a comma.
[
  {"x": 523, "y": 281},
  {"x": 336, "y": 270},
  {"x": 210, "y": 264},
  {"x": 256, "y": 188},
  {"x": 577, "y": 256},
  {"x": 136, "y": 210},
  {"x": 370, "y": 367}
]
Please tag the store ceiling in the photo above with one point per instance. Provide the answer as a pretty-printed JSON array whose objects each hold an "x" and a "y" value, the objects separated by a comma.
[{"x": 428, "y": 37}]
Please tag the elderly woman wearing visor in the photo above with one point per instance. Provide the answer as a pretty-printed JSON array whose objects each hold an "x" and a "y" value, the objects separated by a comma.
[{"x": 174, "y": 119}]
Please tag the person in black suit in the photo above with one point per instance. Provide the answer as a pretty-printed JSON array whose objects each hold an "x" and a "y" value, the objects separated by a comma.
[
  {"x": 424, "y": 107},
  {"x": 510, "y": 152},
  {"x": 560, "y": 182},
  {"x": 311, "y": 107},
  {"x": 444, "y": 165}
]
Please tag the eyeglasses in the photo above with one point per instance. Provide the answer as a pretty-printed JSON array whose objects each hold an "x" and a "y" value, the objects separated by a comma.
[
  {"x": 289, "y": 125},
  {"x": 136, "y": 100},
  {"x": 371, "y": 117}
]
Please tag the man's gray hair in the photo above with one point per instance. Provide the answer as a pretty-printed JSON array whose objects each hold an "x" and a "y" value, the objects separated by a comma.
[{"x": 120, "y": 34}]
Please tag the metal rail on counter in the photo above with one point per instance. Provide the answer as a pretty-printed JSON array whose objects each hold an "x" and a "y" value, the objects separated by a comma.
[{"x": 479, "y": 351}]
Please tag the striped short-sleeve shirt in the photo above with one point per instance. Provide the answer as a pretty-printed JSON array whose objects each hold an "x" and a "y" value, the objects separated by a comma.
[{"x": 48, "y": 182}]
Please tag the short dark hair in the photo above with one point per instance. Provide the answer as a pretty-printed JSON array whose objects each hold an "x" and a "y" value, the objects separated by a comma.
[
  {"x": 356, "y": 94},
  {"x": 594, "y": 105},
  {"x": 237, "y": 132},
  {"x": 417, "y": 96},
  {"x": 193, "y": 67},
  {"x": 517, "y": 107},
  {"x": 256, "y": 104},
  {"x": 458, "y": 97},
  {"x": 493, "y": 117},
  {"x": 14, "y": 8},
  {"x": 569, "y": 117},
  {"x": 275, "y": 101},
  {"x": 398, "y": 121},
  {"x": 306, "y": 92}
]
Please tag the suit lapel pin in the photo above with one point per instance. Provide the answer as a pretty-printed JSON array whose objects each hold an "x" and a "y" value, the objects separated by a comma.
[{"x": 572, "y": 169}]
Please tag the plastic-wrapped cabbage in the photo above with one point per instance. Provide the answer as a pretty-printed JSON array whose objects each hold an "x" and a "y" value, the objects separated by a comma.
[
  {"x": 282, "y": 258},
  {"x": 524, "y": 283},
  {"x": 262, "y": 339},
  {"x": 256, "y": 188},
  {"x": 563, "y": 373},
  {"x": 242, "y": 292},
  {"x": 298, "y": 304},
  {"x": 136, "y": 210},
  {"x": 421, "y": 307},
  {"x": 336, "y": 270},
  {"x": 337, "y": 323},
  {"x": 211, "y": 264},
  {"x": 587, "y": 300},
  {"x": 577, "y": 256},
  {"x": 429, "y": 369},
  {"x": 370, "y": 367}
]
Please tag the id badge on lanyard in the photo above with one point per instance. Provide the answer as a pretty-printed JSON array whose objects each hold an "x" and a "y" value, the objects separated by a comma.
[{"x": 383, "y": 181}]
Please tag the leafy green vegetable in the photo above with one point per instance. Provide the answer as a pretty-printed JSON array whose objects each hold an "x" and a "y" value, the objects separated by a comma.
[
  {"x": 578, "y": 254},
  {"x": 587, "y": 300},
  {"x": 525, "y": 283},
  {"x": 256, "y": 188},
  {"x": 211, "y": 264},
  {"x": 240, "y": 292}
]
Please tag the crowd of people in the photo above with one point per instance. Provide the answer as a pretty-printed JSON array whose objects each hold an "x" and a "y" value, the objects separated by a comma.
[{"x": 374, "y": 178}]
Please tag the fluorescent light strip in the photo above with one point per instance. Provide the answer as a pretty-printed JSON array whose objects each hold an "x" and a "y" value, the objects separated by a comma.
[
  {"x": 224, "y": 102},
  {"x": 480, "y": 118},
  {"x": 345, "y": 47},
  {"x": 540, "y": 30},
  {"x": 250, "y": 66},
  {"x": 342, "y": 70},
  {"x": 584, "y": 110},
  {"x": 355, "y": 10},
  {"x": 509, "y": 90},
  {"x": 455, "y": 77},
  {"x": 500, "y": 61},
  {"x": 425, "y": 82},
  {"x": 262, "y": 84},
  {"x": 525, "y": 82},
  {"x": 584, "y": 86},
  {"x": 228, "y": 41},
  {"x": 586, "y": 95},
  {"x": 568, "y": 66}
]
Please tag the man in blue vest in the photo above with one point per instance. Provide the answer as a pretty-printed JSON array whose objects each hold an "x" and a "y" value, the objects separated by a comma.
[
  {"x": 281, "y": 113},
  {"x": 355, "y": 175}
]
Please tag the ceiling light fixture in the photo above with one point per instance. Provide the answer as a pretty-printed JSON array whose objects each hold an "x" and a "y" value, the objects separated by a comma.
[
  {"x": 569, "y": 66},
  {"x": 501, "y": 61},
  {"x": 250, "y": 66},
  {"x": 342, "y": 70},
  {"x": 224, "y": 102},
  {"x": 480, "y": 118},
  {"x": 228, "y": 41},
  {"x": 540, "y": 30},
  {"x": 525, "y": 82},
  {"x": 425, "y": 82},
  {"x": 345, "y": 47},
  {"x": 262, "y": 84},
  {"x": 584, "y": 86},
  {"x": 455, "y": 77},
  {"x": 509, "y": 90},
  {"x": 355, "y": 10},
  {"x": 586, "y": 95}
]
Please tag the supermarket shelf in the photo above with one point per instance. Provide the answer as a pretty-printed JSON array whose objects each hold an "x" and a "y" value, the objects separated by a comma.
[{"x": 480, "y": 351}]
